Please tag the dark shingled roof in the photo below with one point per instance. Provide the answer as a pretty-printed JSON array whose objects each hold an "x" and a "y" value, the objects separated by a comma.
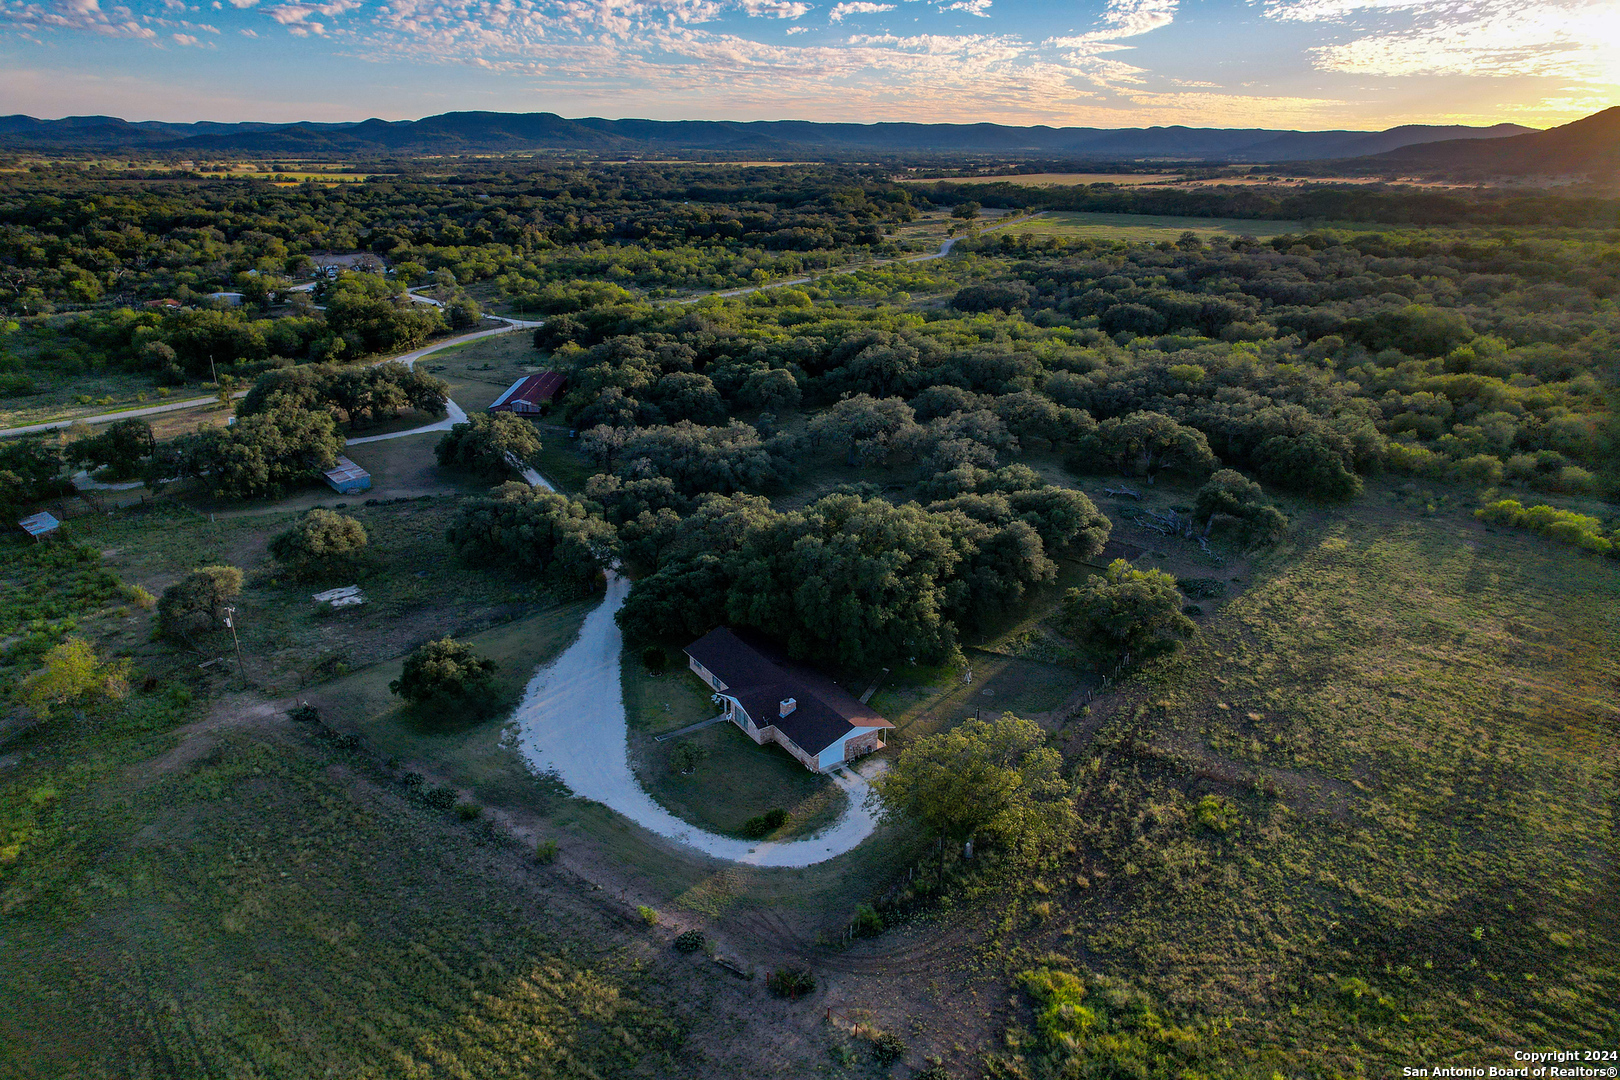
[{"x": 762, "y": 681}]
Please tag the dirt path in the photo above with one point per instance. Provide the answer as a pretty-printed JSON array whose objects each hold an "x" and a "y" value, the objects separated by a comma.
[
  {"x": 121, "y": 414},
  {"x": 571, "y": 723}
]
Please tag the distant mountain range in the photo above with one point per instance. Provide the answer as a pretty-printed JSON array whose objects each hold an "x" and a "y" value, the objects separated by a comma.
[
  {"x": 1588, "y": 147},
  {"x": 488, "y": 132}
]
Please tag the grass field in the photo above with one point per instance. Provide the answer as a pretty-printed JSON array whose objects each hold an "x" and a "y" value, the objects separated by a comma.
[
  {"x": 479, "y": 371},
  {"x": 1139, "y": 227},
  {"x": 89, "y": 394},
  {"x": 736, "y": 779},
  {"x": 269, "y": 907},
  {"x": 467, "y": 750},
  {"x": 1370, "y": 814},
  {"x": 1053, "y": 179}
]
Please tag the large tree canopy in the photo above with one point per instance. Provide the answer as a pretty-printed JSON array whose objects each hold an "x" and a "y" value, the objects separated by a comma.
[
  {"x": 994, "y": 780},
  {"x": 1126, "y": 611},
  {"x": 528, "y": 530}
]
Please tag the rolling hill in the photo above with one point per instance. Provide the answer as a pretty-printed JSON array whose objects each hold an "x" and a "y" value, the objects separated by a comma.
[
  {"x": 1588, "y": 147},
  {"x": 491, "y": 132}
]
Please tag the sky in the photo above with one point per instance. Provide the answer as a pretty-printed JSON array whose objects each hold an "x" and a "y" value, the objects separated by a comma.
[{"x": 1302, "y": 64}]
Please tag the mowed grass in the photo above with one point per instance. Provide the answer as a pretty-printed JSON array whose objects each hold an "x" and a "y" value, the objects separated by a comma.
[
  {"x": 1147, "y": 227},
  {"x": 480, "y": 370},
  {"x": 415, "y": 586},
  {"x": 469, "y": 747},
  {"x": 735, "y": 780},
  {"x": 1411, "y": 722}
]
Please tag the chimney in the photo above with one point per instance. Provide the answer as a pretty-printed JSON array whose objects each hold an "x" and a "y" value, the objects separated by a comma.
[{"x": 788, "y": 705}]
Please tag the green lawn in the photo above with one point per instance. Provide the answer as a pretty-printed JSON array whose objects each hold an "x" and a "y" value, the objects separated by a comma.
[
  {"x": 415, "y": 586},
  {"x": 1139, "y": 227},
  {"x": 466, "y": 748},
  {"x": 480, "y": 370},
  {"x": 736, "y": 779}
]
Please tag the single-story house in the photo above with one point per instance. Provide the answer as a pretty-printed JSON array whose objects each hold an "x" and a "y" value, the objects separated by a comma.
[
  {"x": 805, "y": 713},
  {"x": 230, "y": 299},
  {"x": 529, "y": 394},
  {"x": 40, "y": 525},
  {"x": 346, "y": 477}
]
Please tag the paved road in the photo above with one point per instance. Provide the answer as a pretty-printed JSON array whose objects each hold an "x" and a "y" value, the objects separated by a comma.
[{"x": 571, "y": 724}]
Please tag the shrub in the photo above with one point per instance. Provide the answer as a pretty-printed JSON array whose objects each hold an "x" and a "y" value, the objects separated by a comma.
[
  {"x": 441, "y": 670},
  {"x": 468, "y": 811},
  {"x": 1216, "y": 814},
  {"x": 72, "y": 672},
  {"x": 686, "y": 757},
  {"x": 545, "y": 852},
  {"x": 888, "y": 1047},
  {"x": 764, "y": 824},
  {"x": 1565, "y": 526},
  {"x": 867, "y": 922},
  {"x": 648, "y": 915},
  {"x": 689, "y": 941},
  {"x": 791, "y": 982},
  {"x": 654, "y": 658},
  {"x": 322, "y": 540},
  {"x": 440, "y": 798},
  {"x": 304, "y": 713}
]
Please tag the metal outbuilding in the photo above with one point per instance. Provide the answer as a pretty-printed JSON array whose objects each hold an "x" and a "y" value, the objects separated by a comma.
[
  {"x": 529, "y": 394},
  {"x": 39, "y": 525},
  {"x": 346, "y": 477}
]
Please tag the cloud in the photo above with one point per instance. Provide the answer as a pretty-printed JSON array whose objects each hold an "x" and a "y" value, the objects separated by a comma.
[
  {"x": 1568, "y": 39},
  {"x": 856, "y": 7},
  {"x": 1122, "y": 19},
  {"x": 776, "y": 9},
  {"x": 299, "y": 18},
  {"x": 248, "y": 33},
  {"x": 798, "y": 30},
  {"x": 972, "y": 7},
  {"x": 186, "y": 39},
  {"x": 84, "y": 15}
]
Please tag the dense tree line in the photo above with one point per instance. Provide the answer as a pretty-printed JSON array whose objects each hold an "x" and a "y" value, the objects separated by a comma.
[
  {"x": 77, "y": 237},
  {"x": 359, "y": 395},
  {"x": 1309, "y": 361},
  {"x": 526, "y": 530},
  {"x": 1398, "y": 205},
  {"x": 852, "y": 577}
]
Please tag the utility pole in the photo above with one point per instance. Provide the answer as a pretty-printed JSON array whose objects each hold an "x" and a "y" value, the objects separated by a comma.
[
  {"x": 213, "y": 370},
  {"x": 230, "y": 622}
]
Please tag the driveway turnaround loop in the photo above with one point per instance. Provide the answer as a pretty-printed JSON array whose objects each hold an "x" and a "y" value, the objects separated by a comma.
[{"x": 571, "y": 724}]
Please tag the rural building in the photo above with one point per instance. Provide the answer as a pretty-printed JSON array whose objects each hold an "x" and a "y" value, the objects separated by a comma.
[
  {"x": 230, "y": 299},
  {"x": 347, "y": 478},
  {"x": 803, "y": 712},
  {"x": 529, "y": 394},
  {"x": 39, "y": 525}
]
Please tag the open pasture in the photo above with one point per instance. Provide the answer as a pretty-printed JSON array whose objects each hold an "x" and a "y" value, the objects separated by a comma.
[
  {"x": 1053, "y": 179},
  {"x": 1147, "y": 227}
]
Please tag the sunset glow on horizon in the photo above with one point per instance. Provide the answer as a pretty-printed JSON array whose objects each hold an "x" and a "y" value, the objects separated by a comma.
[{"x": 1307, "y": 64}]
